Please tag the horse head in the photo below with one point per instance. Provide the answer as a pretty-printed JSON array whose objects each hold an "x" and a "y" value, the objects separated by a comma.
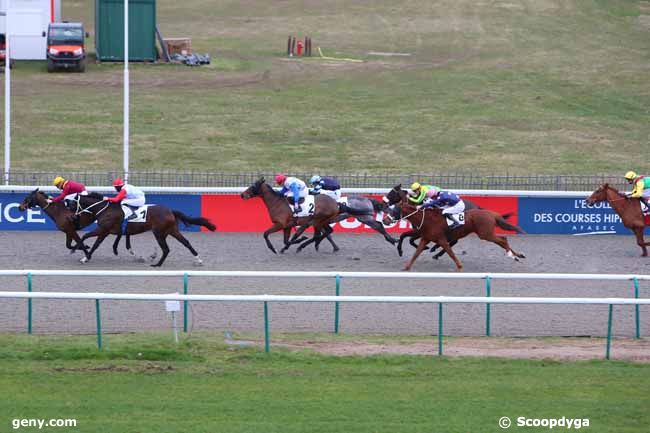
[
  {"x": 255, "y": 190},
  {"x": 392, "y": 213},
  {"x": 32, "y": 200},
  {"x": 395, "y": 195},
  {"x": 600, "y": 194}
]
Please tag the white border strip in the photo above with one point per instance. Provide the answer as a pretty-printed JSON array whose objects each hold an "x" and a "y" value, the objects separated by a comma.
[
  {"x": 326, "y": 274},
  {"x": 239, "y": 190},
  {"x": 286, "y": 298}
]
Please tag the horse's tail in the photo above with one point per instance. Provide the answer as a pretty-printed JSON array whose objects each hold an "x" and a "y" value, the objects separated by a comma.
[
  {"x": 505, "y": 225},
  {"x": 377, "y": 205},
  {"x": 200, "y": 221},
  {"x": 505, "y": 216}
]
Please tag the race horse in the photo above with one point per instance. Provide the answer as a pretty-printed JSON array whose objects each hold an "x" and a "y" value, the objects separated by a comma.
[
  {"x": 433, "y": 227},
  {"x": 161, "y": 220},
  {"x": 62, "y": 216},
  {"x": 629, "y": 209},
  {"x": 363, "y": 210},
  {"x": 325, "y": 212},
  {"x": 394, "y": 196}
]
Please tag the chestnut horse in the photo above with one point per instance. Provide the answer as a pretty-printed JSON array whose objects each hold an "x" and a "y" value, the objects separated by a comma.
[
  {"x": 433, "y": 227},
  {"x": 325, "y": 211},
  {"x": 629, "y": 209}
]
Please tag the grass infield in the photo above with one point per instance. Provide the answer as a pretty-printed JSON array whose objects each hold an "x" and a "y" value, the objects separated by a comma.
[
  {"x": 144, "y": 383},
  {"x": 534, "y": 86}
]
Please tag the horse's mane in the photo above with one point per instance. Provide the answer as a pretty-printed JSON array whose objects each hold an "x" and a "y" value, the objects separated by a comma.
[{"x": 95, "y": 195}]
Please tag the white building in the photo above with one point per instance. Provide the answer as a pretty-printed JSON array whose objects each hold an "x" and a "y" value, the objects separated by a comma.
[{"x": 27, "y": 21}]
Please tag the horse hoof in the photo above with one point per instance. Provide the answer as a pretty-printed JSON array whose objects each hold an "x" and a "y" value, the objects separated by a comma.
[
  {"x": 84, "y": 259},
  {"x": 336, "y": 250},
  {"x": 140, "y": 260},
  {"x": 198, "y": 262}
]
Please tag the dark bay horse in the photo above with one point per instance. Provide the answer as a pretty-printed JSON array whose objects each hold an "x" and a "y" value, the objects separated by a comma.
[
  {"x": 62, "y": 217},
  {"x": 363, "y": 210},
  {"x": 161, "y": 220},
  {"x": 433, "y": 228},
  {"x": 325, "y": 212},
  {"x": 629, "y": 209}
]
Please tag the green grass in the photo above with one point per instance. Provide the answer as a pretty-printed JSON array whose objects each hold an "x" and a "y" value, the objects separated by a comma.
[
  {"x": 144, "y": 383},
  {"x": 538, "y": 86}
]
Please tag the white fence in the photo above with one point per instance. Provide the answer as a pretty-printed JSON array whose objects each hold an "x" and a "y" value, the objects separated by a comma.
[
  {"x": 239, "y": 190},
  {"x": 337, "y": 298},
  {"x": 440, "y": 300}
]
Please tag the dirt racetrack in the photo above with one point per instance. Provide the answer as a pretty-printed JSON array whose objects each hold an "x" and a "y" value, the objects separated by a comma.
[{"x": 550, "y": 254}]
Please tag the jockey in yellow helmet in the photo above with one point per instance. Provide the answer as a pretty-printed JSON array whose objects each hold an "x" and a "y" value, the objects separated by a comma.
[
  {"x": 641, "y": 189},
  {"x": 419, "y": 192}
]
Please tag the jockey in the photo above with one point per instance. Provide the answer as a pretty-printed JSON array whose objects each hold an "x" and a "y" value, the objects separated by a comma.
[
  {"x": 449, "y": 202},
  {"x": 129, "y": 197},
  {"x": 292, "y": 186},
  {"x": 325, "y": 185},
  {"x": 419, "y": 192},
  {"x": 641, "y": 188},
  {"x": 69, "y": 189}
]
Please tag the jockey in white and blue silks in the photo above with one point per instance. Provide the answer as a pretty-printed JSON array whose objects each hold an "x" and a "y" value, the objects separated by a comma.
[
  {"x": 292, "y": 186},
  {"x": 449, "y": 202},
  {"x": 326, "y": 185}
]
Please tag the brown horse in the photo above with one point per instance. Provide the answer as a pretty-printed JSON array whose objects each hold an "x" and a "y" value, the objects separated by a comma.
[
  {"x": 161, "y": 220},
  {"x": 629, "y": 209},
  {"x": 325, "y": 211},
  {"x": 62, "y": 217},
  {"x": 432, "y": 225}
]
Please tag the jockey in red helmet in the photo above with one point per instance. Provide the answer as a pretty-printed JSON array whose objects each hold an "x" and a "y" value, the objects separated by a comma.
[{"x": 292, "y": 186}]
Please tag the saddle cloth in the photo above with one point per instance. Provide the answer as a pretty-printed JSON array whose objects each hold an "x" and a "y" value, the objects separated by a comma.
[
  {"x": 307, "y": 207},
  {"x": 459, "y": 216},
  {"x": 140, "y": 214},
  {"x": 343, "y": 200},
  {"x": 644, "y": 208}
]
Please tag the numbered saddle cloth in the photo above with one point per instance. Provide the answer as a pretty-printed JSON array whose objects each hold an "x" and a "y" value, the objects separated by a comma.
[
  {"x": 460, "y": 217},
  {"x": 307, "y": 207},
  {"x": 140, "y": 214}
]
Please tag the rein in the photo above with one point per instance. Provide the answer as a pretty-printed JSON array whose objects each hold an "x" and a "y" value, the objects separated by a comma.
[
  {"x": 87, "y": 209},
  {"x": 413, "y": 213}
]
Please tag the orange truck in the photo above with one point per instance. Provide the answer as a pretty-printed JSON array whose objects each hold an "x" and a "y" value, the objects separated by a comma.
[{"x": 66, "y": 46}]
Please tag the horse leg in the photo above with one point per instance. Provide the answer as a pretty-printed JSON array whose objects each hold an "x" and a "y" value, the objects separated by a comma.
[
  {"x": 116, "y": 243},
  {"x": 317, "y": 235},
  {"x": 640, "y": 241},
  {"x": 502, "y": 241},
  {"x": 444, "y": 244},
  {"x": 182, "y": 239},
  {"x": 162, "y": 242},
  {"x": 418, "y": 251},
  {"x": 274, "y": 228},
  {"x": 294, "y": 239},
  {"x": 101, "y": 235},
  {"x": 377, "y": 226},
  {"x": 72, "y": 235},
  {"x": 412, "y": 234},
  {"x": 328, "y": 234},
  {"x": 442, "y": 253}
]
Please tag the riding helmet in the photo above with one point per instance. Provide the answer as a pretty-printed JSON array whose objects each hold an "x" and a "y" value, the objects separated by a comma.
[
  {"x": 118, "y": 182},
  {"x": 58, "y": 181},
  {"x": 415, "y": 185},
  {"x": 315, "y": 179},
  {"x": 280, "y": 178},
  {"x": 630, "y": 175}
]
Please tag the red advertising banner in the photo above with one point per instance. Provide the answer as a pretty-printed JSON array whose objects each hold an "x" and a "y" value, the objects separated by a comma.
[{"x": 233, "y": 214}]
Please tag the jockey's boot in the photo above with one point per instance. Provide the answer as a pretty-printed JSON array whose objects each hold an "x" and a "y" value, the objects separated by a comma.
[
  {"x": 645, "y": 202},
  {"x": 454, "y": 221}
]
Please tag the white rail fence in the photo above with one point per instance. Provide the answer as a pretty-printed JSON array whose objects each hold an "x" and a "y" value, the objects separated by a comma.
[
  {"x": 266, "y": 299},
  {"x": 337, "y": 298},
  {"x": 239, "y": 190}
]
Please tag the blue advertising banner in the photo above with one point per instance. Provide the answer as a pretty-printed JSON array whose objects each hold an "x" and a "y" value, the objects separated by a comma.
[
  {"x": 11, "y": 218},
  {"x": 568, "y": 216}
]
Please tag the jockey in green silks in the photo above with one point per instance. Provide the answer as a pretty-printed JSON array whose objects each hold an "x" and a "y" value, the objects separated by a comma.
[{"x": 419, "y": 192}]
